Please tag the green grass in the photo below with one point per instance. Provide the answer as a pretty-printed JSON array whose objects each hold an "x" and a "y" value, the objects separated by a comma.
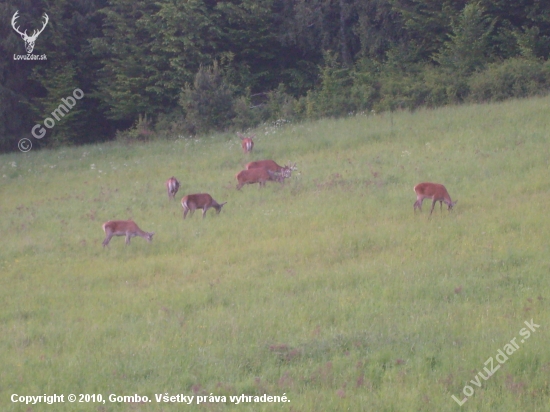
[{"x": 329, "y": 289}]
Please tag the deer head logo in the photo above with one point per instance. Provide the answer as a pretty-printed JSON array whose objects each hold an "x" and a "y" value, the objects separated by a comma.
[{"x": 29, "y": 40}]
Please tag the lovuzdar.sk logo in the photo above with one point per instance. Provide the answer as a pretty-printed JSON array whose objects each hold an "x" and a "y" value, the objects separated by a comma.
[{"x": 29, "y": 40}]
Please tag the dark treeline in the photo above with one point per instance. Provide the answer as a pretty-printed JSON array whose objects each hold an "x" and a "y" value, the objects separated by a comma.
[{"x": 152, "y": 68}]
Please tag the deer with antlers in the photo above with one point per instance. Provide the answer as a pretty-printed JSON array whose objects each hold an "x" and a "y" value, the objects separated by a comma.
[
  {"x": 279, "y": 173},
  {"x": 29, "y": 40}
]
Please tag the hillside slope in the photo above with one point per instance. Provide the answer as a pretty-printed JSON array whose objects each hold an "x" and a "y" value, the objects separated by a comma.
[{"x": 329, "y": 289}]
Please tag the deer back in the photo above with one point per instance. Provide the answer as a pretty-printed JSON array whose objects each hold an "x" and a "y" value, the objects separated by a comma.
[{"x": 264, "y": 164}]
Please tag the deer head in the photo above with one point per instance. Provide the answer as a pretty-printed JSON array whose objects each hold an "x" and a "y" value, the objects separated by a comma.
[
  {"x": 288, "y": 169},
  {"x": 29, "y": 40}
]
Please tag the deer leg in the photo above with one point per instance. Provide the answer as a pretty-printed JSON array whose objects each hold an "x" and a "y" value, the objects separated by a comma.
[
  {"x": 128, "y": 237},
  {"x": 204, "y": 212},
  {"x": 433, "y": 205},
  {"x": 107, "y": 239}
]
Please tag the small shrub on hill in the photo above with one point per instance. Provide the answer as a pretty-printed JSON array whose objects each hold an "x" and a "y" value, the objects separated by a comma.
[{"x": 513, "y": 78}]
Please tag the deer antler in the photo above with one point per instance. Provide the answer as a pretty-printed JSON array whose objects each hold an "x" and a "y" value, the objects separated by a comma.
[
  {"x": 15, "y": 16},
  {"x": 37, "y": 32}
]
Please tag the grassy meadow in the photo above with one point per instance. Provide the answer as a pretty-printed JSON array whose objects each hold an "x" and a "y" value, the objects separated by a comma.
[{"x": 329, "y": 289}]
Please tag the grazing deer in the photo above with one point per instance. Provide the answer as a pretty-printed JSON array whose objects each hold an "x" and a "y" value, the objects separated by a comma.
[
  {"x": 433, "y": 191},
  {"x": 126, "y": 228},
  {"x": 282, "y": 173},
  {"x": 172, "y": 186},
  {"x": 260, "y": 175},
  {"x": 246, "y": 142},
  {"x": 200, "y": 201}
]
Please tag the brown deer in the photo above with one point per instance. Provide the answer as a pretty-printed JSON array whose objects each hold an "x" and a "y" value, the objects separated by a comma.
[
  {"x": 433, "y": 191},
  {"x": 200, "y": 201},
  {"x": 282, "y": 172},
  {"x": 172, "y": 186},
  {"x": 246, "y": 142},
  {"x": 260, "y": 175},
  {"x": 126, "y": 228}
]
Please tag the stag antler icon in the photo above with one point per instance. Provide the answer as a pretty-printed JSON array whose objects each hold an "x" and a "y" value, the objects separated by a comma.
[{"x": 29, "y": 40}]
